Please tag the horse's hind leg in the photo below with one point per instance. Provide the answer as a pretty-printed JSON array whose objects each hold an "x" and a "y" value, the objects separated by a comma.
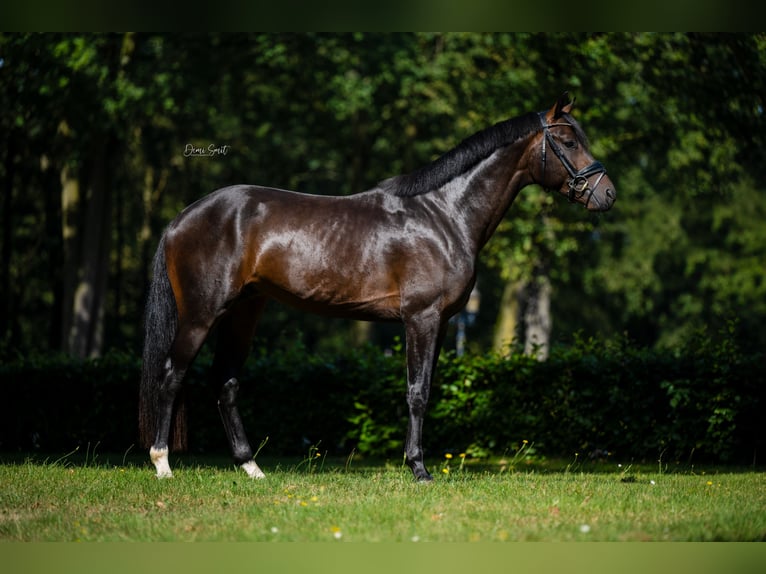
[
  {"x": 185, "y": 347},
  {"x": 235, "y": 334}
]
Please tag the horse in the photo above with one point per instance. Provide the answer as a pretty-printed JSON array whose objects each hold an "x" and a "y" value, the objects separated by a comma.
[{"x": 405, "y": 251}]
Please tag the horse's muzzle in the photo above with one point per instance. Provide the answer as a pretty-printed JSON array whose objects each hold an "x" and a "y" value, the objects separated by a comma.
[{"x": 602, "y": 196}]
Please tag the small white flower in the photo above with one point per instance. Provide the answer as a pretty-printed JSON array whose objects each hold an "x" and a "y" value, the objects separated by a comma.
[
  {"x": 415, "y": 538},
  {"x": 338, "y": 535},
  {"x": 652, "y": 482},
  {"x": 274, "y": 529},
  {"x": 584, "y": 528}
]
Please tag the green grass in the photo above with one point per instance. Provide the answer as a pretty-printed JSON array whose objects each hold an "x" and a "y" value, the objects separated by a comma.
[{"x": 316, "y": 501}]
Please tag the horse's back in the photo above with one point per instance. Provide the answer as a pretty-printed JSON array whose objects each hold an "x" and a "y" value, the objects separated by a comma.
[{"x": 321, "y": 253}]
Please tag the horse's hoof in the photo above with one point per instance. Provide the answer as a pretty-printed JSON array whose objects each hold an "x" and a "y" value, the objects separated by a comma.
[{"x": 252, "y": 469}]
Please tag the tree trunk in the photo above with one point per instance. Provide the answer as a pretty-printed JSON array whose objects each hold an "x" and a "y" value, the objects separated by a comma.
[
  {"x": 537, "y": 315},
  {"x": 9, "y": 167},
  {"x": 70, "y": 225},
  {"x": 89, "y": 258},
  {"x": 54, "y": 249},
  {"x": 506, "y": 328},
  {"x": 525, "y": 315}
]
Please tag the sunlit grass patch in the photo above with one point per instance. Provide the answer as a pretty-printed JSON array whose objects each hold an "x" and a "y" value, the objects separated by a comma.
[{"x": 473, "y": 501}]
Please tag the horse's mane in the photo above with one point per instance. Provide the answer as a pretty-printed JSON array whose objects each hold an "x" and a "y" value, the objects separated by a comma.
[{"x": 462, "y": 157}]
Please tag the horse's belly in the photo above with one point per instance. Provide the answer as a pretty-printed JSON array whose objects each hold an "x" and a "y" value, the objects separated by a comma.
[{"x": 334, "y": 293}]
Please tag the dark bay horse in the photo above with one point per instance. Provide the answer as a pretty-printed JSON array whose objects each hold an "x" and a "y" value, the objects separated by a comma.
[{"x": 405, "y": 251}]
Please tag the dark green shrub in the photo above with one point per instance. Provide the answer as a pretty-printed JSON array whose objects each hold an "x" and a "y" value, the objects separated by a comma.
[
  {"x": 703, "y": 400},
  {"x": 53, "y": 402}
]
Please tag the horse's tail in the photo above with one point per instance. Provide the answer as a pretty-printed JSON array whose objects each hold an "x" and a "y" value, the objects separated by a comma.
[{"x": 160, "y": 326}]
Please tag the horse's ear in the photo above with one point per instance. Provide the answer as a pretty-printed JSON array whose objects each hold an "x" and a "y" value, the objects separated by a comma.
[{"x": 563, "y": 106}]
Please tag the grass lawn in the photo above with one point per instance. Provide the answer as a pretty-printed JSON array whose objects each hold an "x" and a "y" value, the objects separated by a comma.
[{"x": 334, "y": 501}]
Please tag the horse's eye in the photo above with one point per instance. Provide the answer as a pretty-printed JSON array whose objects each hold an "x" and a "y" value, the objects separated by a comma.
[{"x": 570, "y": 144}]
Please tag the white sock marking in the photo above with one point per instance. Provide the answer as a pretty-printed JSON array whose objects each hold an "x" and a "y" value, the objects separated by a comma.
[
  {"x": 252, "y": 470},
  {"x": 159, "y": 457}
]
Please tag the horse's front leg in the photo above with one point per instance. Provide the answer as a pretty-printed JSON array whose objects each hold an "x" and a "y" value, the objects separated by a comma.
[
  {"x": 424, "y": 336},
  {"x": 235, "y": 333}
]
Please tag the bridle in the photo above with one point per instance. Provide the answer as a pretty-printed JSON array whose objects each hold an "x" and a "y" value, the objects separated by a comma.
[{"x": 578, "y": 182}]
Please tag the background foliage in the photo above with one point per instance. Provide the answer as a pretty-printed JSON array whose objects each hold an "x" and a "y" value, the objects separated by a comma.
[
  {"x": 93, "y": 130},
  {"x": 700, "y": 402}
]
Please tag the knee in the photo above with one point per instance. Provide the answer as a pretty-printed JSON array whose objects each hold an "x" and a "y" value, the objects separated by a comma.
[{"x": 417, "y": 401}]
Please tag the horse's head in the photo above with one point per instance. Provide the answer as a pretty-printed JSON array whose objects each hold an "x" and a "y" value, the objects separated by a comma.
[{"x": 560, "y": 159}]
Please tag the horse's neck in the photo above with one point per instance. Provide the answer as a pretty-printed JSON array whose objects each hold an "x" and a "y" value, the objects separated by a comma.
[{"x": 481, "y": 197}]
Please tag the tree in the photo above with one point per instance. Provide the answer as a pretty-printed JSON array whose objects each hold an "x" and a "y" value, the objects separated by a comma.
[
  {"x": 92, "y": 164},
  {"x": 684, "y": 253}
]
